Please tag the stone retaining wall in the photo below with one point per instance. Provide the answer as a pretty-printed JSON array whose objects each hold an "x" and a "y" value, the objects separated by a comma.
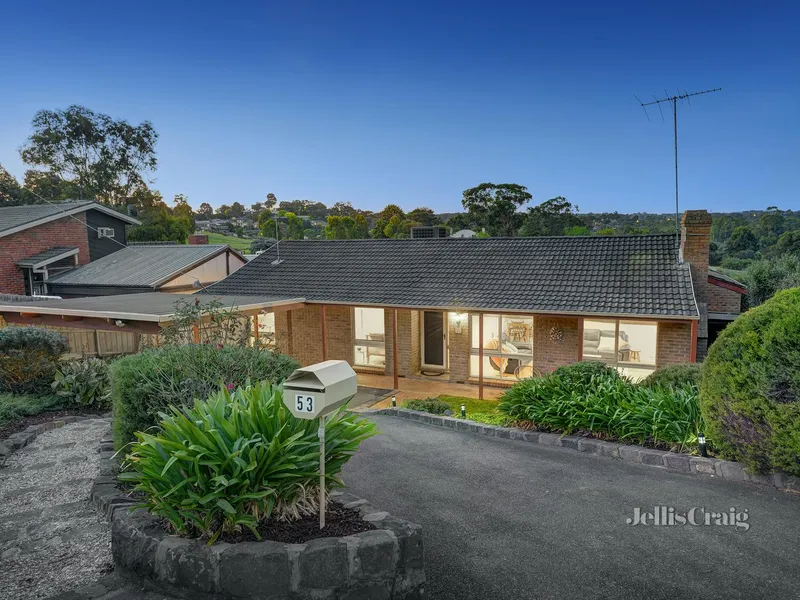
[
  {"x": 385, "y": 563},
  {"x": 673, "y": 461}
]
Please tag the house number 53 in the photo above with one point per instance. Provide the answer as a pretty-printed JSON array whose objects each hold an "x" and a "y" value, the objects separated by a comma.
[{"x": 304, "y": 403}]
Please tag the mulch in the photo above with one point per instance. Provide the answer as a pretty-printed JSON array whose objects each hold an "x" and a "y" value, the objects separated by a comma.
[
  {"x": 339, "y": 521},
  {"x": 43, "y": 417}
]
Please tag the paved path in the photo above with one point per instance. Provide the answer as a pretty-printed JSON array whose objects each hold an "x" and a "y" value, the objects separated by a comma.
[
  {"x": 50, "y": 537},
  {"x": 509, "y": 519}
]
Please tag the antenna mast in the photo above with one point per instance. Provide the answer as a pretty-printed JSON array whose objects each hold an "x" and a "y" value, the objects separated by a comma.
[{"x": 673, "y": 100}]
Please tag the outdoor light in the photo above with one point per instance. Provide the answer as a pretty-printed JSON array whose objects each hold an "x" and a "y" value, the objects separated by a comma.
[
  {"x": 463, "y": 410},
  {"x": 394, "y": 400},
  {"x": 701, "y": 442},
  {"x": 459, "y": 319}
]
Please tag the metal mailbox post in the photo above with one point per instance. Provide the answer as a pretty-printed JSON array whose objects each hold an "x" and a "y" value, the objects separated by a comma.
[{"x": 314, "y": 392}]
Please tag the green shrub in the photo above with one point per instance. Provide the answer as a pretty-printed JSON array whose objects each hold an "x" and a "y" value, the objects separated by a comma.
[
  {"x": 28, "y": 358},
  {"x": 144, "y": 384},
  {"x": 236, "y": 459},
  {"x": 750, "y": 390},
  {"x": 674, "y": 376},
  {"x": 429, "y": 405},
  {"x": 17, "y": 406},
  {"x": 593, "y": 397},
  {"x": 84, "y": 382}
]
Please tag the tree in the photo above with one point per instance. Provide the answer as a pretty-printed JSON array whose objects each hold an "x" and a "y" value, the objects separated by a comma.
[
  {"x": 206, "y": 211},
  {"x": 424, "y": 216},
  {"x": 552, "y": 217},
  {"x": 346, "y": 228},
  {"x": 271, "y": 201},
  {"x": 723, "y": 225},
  {"x": 294, "y": 225},
  {"x": 10, "y": 189},
  {"x": 104, "y": 158},
  {"x": 361, "y": 230},
  {"x": 766, "y": 277},
  {"x": 224, "y": 211},
  {"x": 40, "y": 186},
  {"x": 578, "y": 230},
  {"x": 342, "y": 209},
  {"x": 159, "y": 225},
  {"x": 742, "y": 240},
  {"x": 495, "y": 206},
  {"x": 266, "y": 223},
  {"x": 788, "y": 243},
  {"x": 770, "y": 226},
  {"x": 237, "y": 210},
  {"x": 256, "y": 208},
  {"x": 183, "y": 211}
]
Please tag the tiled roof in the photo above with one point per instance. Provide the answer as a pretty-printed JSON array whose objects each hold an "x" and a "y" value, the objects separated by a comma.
[
  {"x": 617, "y": 275},
  {"x": 141, "y": 266},
  {"x": 47, "y": 256},
  {"x": 715, "y": 274},
  {"x": 17, "y": 218}
]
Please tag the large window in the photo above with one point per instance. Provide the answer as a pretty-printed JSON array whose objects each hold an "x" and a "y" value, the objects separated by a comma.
[
  {"x": 370, "y": 337},
  {"x": 266, "y": 330},
  {"x": 507, "y": 347},
  {"x": 630, "y": 346}
]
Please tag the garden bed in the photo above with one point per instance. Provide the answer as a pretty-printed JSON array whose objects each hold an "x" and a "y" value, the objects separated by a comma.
[{"x": 383, "y": 559}]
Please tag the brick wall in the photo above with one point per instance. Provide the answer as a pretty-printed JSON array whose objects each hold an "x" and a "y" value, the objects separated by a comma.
[
  {"x": 721, "y": 299},
  {"x": 548, "y": 355},
  {"x": 695, "y": 243},
  {"x": 63, "y": 232},
  {"x": 408, "y": 356},
  {"x": 459, "y": 346},
  {"x": 674, "y": 344},
  {"x": 339, "y": 322}
]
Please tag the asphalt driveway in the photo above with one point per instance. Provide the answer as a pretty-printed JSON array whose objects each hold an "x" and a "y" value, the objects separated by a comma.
[{"x": 509, "y": 519}]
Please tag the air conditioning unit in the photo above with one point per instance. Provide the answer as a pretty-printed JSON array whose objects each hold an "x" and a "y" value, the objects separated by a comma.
[{"x": 105, "y": 232}]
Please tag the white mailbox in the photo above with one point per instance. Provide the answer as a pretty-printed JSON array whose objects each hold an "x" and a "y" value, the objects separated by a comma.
[{"x": 319, "y": 389}]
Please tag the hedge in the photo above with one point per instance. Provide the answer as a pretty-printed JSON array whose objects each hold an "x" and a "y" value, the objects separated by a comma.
[
  {"x": 29, "y": 357},
  {"x": 750, "y": 388},
  {"x": 674, "y": 376},
  {"x": 145, "y": 384}
]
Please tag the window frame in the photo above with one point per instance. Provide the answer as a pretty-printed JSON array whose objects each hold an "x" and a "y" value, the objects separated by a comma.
[
  {"x": 368, "y": 343},
  {"x": 525, "y": 358},
  {"x": 617, "y": 363}
]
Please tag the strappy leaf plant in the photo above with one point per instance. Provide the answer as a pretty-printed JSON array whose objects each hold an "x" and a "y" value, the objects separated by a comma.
[{"x": 236, "y": 459}]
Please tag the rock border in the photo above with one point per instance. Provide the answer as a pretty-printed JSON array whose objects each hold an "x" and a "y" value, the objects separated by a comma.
[
  {"x": 384, "y": 563},
  {"x": 17, "y": 441},
  {"x": 663, "y": 459}
]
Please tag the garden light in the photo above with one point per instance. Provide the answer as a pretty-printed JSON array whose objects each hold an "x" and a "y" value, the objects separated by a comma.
[
  {"x": 463, "y": 410},
  {"x": 701, "y": 442},
  {"x": 394, "y": 400}
]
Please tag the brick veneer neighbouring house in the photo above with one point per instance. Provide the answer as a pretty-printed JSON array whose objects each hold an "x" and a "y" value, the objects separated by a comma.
[
  {"x": 17, "y": 246},
  {"x": 724, "y": 300},
  {"x": 39, "y": 238}
]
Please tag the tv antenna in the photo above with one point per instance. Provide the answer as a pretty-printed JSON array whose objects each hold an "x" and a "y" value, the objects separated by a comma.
[{"x": 673, "y": 100}]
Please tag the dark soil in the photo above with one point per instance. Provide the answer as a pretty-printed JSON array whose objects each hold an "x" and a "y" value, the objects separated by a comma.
[
  {"x": 43, "y": 417},
  {"x": 339, "y": 521}
]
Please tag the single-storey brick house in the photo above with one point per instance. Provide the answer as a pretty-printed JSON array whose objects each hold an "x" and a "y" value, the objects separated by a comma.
[
  {"x": 490, "y": 310},
  {"x": 40, "y": 240}
]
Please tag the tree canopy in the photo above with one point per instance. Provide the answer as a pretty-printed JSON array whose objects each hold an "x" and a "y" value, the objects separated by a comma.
[
  {"x": 103, "y": 158},
  {"x": 495, "y": 206},
  {"x": 553, "y": 217}
]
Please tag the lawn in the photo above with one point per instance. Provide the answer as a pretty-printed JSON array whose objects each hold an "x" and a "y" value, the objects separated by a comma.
[
  {"x": 237, "y": 243},
  {"x": 483, "y": 411}
]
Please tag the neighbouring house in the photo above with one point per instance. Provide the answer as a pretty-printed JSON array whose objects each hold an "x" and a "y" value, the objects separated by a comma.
[
  {"x": 38, "y": 241},
  {"x": 725, "y": 296},
  {"x": 143, "y": 268}
]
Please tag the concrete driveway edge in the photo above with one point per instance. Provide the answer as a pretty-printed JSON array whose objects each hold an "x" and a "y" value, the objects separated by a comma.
[{"x": 659, "y": 459}]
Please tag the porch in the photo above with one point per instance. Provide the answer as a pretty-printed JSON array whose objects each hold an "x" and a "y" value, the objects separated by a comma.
[{"x": 421, "y": 387}]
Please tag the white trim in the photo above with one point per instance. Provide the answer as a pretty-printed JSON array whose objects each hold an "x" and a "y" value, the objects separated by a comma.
[
  {"x": 69, "y": 212},
  {"x": 110, "y": 314},
  {"x": 47, "y": 261}
]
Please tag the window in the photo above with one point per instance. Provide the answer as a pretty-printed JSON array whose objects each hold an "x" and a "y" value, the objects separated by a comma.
[
  {"x": 266, "y": 330},
  {"x": 630, "y": 346},
  {"x": 370, "y": 338},
  {"x": 507, "y": 347}
]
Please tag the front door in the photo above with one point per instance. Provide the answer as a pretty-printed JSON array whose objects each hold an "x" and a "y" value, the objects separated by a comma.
[{"x": 434, "y": 338}]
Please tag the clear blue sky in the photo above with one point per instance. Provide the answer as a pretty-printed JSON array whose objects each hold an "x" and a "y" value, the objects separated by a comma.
[{"x": 413, "y": 102}]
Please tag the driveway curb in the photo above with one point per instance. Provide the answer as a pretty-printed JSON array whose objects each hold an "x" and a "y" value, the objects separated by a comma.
[{"x": 659, "y": 459}]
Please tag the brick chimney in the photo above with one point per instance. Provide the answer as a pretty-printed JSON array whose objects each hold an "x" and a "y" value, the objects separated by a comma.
[
  {"x": 197, "y": 239},
  {"x": 695, "y": 247}
]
